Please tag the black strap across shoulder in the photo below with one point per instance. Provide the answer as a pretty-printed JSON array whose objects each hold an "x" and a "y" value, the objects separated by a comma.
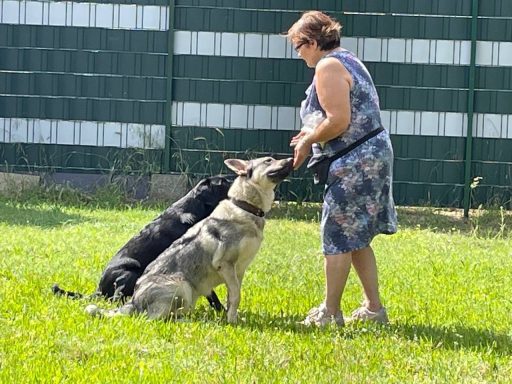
[
  {"x": 351, "y": 147},
  {"x": 320, "y": 165},
  {"x": 356, "y": 144}
]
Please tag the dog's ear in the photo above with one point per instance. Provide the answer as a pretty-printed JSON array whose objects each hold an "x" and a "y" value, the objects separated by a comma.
[
  {"x": 203, "y": 184},
  {"x": 215, "y": 180},
  {"x": 238, "y": 166}
]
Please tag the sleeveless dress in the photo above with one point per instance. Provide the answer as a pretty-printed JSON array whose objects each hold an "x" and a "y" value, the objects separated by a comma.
[{"x": 358, "y": 200}]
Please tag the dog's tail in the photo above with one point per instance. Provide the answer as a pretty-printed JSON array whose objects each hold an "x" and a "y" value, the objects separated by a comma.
[{"x": 58, "y": 291}]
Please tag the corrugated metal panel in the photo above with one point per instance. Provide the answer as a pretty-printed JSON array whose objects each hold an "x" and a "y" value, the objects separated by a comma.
[
  {"x": 82, "y": 38},
  {"x": 267, "y": 4},
  {"x": 369, "y": 25},
  {"x": 79, "y": 85},
  {"x": 72, "y": 108},
  {"x": 502, "y": 8},
  {"x": 294, "y": 71},
  {"x": 411, "y": 26},
  {"x": 416, "y": 51},
  {"x": 135, "y": 2},
  {"x": 436, "y": 7},
  {"x": 75, "y": 61}
]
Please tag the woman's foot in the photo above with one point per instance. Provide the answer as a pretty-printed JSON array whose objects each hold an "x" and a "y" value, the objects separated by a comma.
[
  {"x": 318, "y": 317},
  {"x": 364, "y": 314}
]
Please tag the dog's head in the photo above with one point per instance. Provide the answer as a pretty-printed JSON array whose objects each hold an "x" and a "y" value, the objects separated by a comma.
[
  {"x": 213, "y": 189},
  {"x": 264, "y": 171}
]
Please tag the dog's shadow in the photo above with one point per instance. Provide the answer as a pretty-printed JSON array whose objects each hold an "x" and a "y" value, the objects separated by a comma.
[
  {"x": 36, "y": 216},
  {"x": 454, "y": 337}
]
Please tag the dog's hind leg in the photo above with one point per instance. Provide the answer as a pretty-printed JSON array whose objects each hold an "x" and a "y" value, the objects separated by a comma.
[
  {"x": 165, "y": 297},
  {"x": 119, "y": 281},
  {"x": 215, "y": 303},
  {"x": 124, "y": 286},
  {"x": 171, "y": 302}
]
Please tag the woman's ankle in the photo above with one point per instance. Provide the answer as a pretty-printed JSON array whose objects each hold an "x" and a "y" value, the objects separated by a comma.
[
  {"x": 373, "y": 306},
  {"x": 332, "y": 310}
]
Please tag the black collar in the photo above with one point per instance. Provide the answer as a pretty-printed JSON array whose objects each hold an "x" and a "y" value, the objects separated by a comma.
[{"x": 247, "y": 207}]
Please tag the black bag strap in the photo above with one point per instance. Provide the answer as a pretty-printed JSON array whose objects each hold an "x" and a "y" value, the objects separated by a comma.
[
  {"x": 356, "y": 144},
  {"x": 351, "y": 147}
]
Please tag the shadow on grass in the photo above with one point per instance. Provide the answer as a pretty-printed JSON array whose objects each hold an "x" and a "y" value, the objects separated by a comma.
[
  {"x": 36, "y": 216},
  {"x": 455, "y": 337},
  {"x": 481, "y": 223},
  {"x": 485, "y": 223},
  {"x": 450, "y": 337}
]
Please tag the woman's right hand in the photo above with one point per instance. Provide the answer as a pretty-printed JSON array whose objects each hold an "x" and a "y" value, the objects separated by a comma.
[
  {"x": 301, "y": 149},
  {"x": 295, "y": 139}
]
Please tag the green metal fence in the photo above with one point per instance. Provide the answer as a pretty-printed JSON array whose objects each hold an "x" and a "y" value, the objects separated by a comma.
[{"x": 179, "y": 86}]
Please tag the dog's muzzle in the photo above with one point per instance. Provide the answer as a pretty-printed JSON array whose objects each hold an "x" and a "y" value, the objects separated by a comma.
[{"x": 281, "y": 170}]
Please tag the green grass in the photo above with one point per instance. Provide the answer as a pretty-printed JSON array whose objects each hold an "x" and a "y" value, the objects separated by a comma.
[{"x": 446, "y": 283}]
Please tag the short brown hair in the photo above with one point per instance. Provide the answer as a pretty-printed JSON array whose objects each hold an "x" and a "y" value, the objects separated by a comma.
[{"x": 316, "y": 26}]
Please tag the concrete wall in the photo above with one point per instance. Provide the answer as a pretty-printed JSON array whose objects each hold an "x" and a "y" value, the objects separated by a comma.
[{"x": 157, "y": 187}]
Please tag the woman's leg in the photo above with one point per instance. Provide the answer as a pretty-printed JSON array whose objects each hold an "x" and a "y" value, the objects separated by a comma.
[
  {"x": 365, "y": 265},
  {"x": 337, "y": 268}
]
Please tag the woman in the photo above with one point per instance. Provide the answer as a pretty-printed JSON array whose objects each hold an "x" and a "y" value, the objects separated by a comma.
[{"x": 358, "y": 202}]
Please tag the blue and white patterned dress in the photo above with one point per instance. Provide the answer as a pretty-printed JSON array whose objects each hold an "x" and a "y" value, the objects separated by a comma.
[{"x": 358, "y": 201}]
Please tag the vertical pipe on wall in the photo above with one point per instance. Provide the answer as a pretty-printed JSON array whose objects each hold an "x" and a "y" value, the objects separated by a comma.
[
  {"x": 168, "y": 104},
  {"x": 471, "y": 106}
]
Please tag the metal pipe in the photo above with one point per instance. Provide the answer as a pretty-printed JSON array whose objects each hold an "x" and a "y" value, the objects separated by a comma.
[
  {"x": 468, "y": 157},
  {"x": 168, "y": 104}
]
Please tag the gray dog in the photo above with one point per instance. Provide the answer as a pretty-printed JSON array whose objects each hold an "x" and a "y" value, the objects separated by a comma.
[{"x": 214, "y": 251}]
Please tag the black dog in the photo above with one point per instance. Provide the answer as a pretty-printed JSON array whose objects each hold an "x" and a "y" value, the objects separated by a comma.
[{"x": 128, "y": 264}]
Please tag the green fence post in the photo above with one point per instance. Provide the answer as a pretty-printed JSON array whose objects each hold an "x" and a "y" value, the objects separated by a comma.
[
  {"x": 471, "y": 108},
  {"x": 168, "y": 104}
]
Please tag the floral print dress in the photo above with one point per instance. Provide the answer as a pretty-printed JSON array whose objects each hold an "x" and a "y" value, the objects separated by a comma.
[{"x": 358, "y": 199}]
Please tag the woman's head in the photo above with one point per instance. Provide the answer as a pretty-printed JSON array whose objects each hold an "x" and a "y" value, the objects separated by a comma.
[{"x": 315, "y": 26}]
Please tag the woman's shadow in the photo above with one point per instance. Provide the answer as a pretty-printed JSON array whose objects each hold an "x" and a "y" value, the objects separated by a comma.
[{"x": 452, "y": 337}]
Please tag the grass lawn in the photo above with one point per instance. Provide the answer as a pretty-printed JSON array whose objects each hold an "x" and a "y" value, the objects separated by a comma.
[{"x": 447, "y": 285}]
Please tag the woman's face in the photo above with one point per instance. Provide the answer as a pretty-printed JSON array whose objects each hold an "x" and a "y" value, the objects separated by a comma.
[{"x": 309, "y": 52}]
